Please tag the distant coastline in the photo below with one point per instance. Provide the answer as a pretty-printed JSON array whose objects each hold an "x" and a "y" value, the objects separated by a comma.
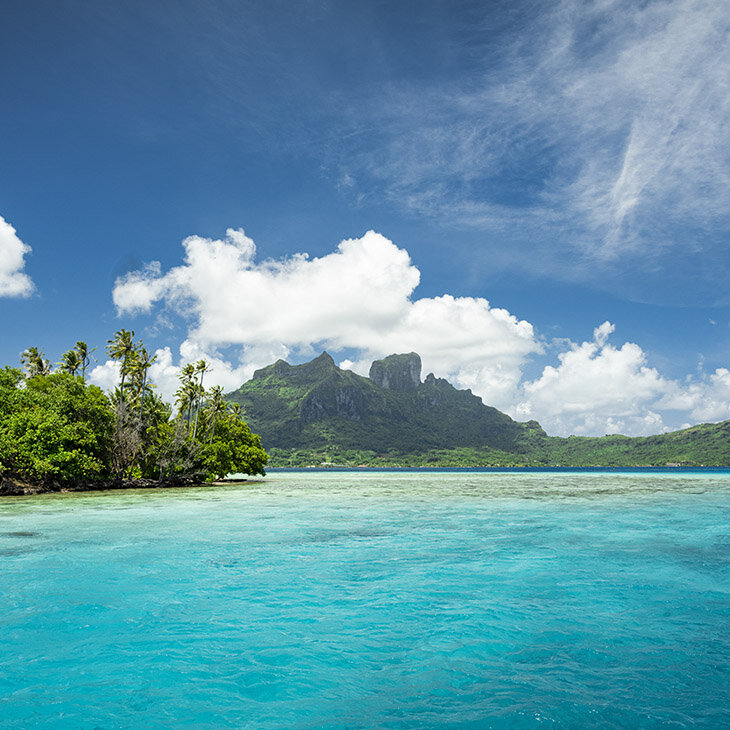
[{"x": 507, "y": 469}]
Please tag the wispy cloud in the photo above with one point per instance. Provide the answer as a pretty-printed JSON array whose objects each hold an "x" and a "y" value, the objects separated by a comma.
[
  {"x": 604, "y": 121},
  {"x": 13, "y": 282},
  {"x": 667, "y": 81}
]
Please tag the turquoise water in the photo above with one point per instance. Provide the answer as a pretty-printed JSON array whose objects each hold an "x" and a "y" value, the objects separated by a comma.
[{"x": 517, "y": 600}]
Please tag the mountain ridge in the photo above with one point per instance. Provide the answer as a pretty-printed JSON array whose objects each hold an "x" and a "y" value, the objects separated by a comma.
[{"x": 316, "y": 411}]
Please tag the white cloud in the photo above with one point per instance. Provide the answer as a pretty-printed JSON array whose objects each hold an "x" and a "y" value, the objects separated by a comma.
[
  {"x": 359, "y": 296},
  {"x": 139, "y": 291},
  {"x": 602, "y": 332},
  {"x": 105, "y": 375},
  {"x": 596, "y": 389},
  {"x": 462, "y": 339},
  {"x": 712, "y": 402},
  {"x": 705, "y": 400},
  {"x": 360, "y": 299},
  {"x": 662, "y": 89},
  {"x": 13, "y": 282},
  {"x": 164, "y": 374},
  {"x": 604, "y": 123}
]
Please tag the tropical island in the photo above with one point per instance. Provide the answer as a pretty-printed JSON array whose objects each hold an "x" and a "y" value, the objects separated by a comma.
[
  {"x": 57, "y": 432},
  {"x": 317, "y": 414}
]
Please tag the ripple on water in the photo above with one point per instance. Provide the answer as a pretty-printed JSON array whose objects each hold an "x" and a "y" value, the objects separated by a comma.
[{"x": 372, "y": 600}]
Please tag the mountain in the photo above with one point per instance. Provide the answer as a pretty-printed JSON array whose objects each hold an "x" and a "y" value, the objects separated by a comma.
[
  {"x": 318, "y": 405},
  {"x": 316, "y": 412}
]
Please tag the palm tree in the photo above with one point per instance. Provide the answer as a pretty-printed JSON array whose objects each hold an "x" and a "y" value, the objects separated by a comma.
[
  {"x": 70, "y": 362},
  {"x": 139, "y": 369},
  {"x": 35, "y": 362},
  {"x": 121, "y": 348},
  {"x": 84, "y": 353},
  {"x": 186, "y": 393},
  {"x": 216, "y": 406},
  {"x": 201, "y": 367}
]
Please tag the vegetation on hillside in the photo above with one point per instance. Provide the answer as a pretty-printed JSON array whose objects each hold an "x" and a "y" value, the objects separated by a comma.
[
  {"x": 318, "y": 405},
  {"x": 316, "y": 413},
  {"x": 703, "y": 445},
  {"x": 57, "y": 431}
]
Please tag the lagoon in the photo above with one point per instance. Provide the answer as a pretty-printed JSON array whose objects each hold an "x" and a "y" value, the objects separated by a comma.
[{"x": 372, "y": 599}]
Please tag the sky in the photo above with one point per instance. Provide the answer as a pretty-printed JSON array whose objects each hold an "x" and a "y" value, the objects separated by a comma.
[{"x": 533, "y": 196}]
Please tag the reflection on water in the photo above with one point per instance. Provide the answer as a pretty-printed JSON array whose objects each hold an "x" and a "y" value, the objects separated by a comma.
[{"x": 365, "y": 599}]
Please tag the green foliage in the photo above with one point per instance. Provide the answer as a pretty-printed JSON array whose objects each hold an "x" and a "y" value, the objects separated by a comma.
[
  {"x": 316, "y": 413},
  {"x": 333, "y": 456},
  {"x": 70, "y": 362},
  {"x": 707, "y": 444},
  {"x": 56, "y": 431},
  {"x": 35, "y": 363},
  {"x": 56, "y": 428},
  {"x": 232, "y": 448}
]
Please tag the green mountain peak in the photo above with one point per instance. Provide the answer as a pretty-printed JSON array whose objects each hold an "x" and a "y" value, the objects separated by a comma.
[
  {"x": 317, "y": 404},
  {"x": 400, "y": 373}
]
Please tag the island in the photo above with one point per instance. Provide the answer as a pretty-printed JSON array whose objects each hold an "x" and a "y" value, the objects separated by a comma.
[
  {"x": 317, "y": 414},
  {"x": 59, "y": 433}
]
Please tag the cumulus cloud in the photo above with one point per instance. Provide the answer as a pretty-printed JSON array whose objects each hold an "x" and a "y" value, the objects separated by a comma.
[
  {"x": 712, "y": 402},
  {"x": 596, "y": 389},
  {"x": 13, "y": 282},
  {"x": 359, "y": 300},
  {"x": 105, "y": 375},
  {"x": 359, "y": 296},
  {"x": 705, "y": 400}
]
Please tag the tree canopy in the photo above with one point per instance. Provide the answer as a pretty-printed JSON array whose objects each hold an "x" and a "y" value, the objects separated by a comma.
[{"x": 56, "y": 430}]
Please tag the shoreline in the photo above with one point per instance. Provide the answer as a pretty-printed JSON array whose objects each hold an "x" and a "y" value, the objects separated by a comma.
[
  {"x": 10, "y": 487},
  {"x": 18, "y": 488},
  {"x": 597, "y": 469}
]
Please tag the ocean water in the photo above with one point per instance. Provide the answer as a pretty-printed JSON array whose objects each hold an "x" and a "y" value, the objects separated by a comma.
[{"x": 359, "y": 600}]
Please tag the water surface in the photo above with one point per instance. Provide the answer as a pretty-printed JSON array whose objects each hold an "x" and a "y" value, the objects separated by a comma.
[{"x": 391, "y": 600}]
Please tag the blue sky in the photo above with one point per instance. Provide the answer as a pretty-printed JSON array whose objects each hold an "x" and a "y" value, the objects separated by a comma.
[{"x": 529, "y": 172}]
